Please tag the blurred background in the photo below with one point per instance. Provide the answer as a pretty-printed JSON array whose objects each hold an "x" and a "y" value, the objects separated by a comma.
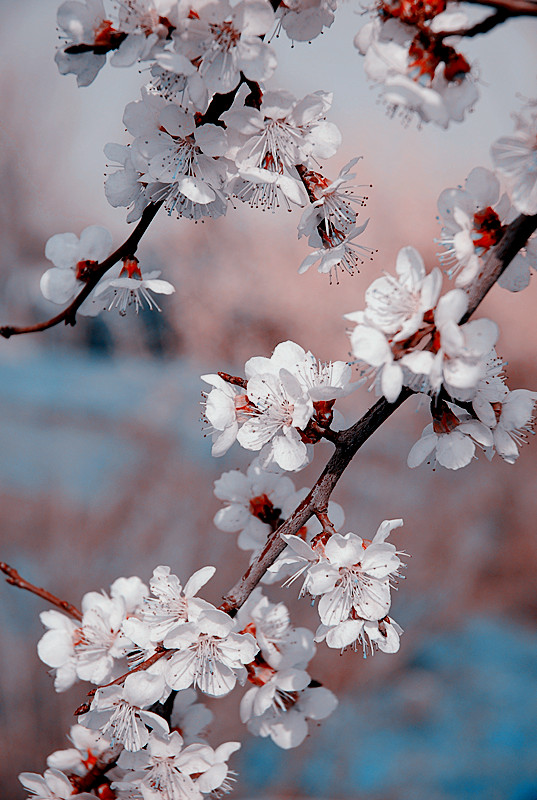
[{"x": 104, "y": 469}]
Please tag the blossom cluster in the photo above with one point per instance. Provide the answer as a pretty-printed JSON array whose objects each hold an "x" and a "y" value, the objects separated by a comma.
[
  {"x": 352, "y": 577},
  {"x": 282, "y": 407},
  {"x": 149, "y": 648},
  {"x": 410, "y": 51},
  {"x": 409, "y": 335},
  {"x": 206, "y": 130}
]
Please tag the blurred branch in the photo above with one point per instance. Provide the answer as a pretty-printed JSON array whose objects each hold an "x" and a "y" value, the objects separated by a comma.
[
  {"x": 486, "y": 25},
  {"x": 15, "y": 579},
  {"x": 349, "y": 441},
  {"x": 514, "y": 8},
  {"x": 96, "y": 272}
]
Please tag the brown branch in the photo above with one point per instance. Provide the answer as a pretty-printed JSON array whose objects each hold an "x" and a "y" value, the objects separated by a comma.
[
  {"x": 514, "y": 8},
  {"x": 160, "y": 652},
  {"x": 350, "y": 440},
  {"x": 96, "y": 272},
  {"x": 15, "y": 579}
]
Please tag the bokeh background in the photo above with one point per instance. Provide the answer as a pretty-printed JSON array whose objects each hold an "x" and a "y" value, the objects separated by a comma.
[{"x": 104, "y": 469}]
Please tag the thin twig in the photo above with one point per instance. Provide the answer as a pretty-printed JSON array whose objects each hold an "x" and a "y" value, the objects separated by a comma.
[
  {"x": 350, "y": 440},
  {"x": 15, "y": 579},
  {"x": 160, "y": 652},
  {"x": 514, "y": 8},
  {"x": 96, "y": 272}
]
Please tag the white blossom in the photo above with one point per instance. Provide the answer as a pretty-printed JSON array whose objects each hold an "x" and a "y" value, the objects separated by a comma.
[
  {"x": 287, "y": 724},
  {"x": 252, "y": 503},
  {"x": 459, "y": 354},
  {"x": 515, "y": 159},
  {"x": 416, "y": 76},
  {"x": 268, "y": 144},
  {"x": 189, "y": 717},
  {"x": 397, "y": 308},
  {"x": 225, "y": 40},
  {"x": 514, "y": 423},
  {"x": 332, "y": 215},
  {"x": 210, "y": 655},
  {"x": 73, "y": 258},
  {"x": 281, "y": 645},
  {"x": 53, "y": 785},
  {"x": 450, "y": 440},
  {"x": 84, "y": 25},
  {"x": 121, "y": 714},
  {"x": 473, "y": 222},
  {"x": 171, "y": 605},
  {"x": 304, "y": 20},
  {"x": 88, "y": 746},
  {"x": 130, "y": 287},
  {"x": 166, "y": 769},
  {"x": 354, "y": 576}
]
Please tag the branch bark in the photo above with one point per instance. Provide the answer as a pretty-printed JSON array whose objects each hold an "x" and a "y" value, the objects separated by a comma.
[
  {"x": 514, "y": 8},
  {"x": 15, "y": 579}
]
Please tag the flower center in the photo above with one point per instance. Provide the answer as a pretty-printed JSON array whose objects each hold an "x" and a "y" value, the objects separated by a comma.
[
  {"x": 225, "y": 35},
  {"x": 488, "y": 230},
  {"x": 263, "y": 508},
  {"x": 445, "y": 421}
]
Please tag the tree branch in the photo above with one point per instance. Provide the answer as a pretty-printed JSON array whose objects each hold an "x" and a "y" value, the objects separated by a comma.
[
  {"x": 97, "y": 271},
  {"x": 15, "y": 579},
  {"x": 514, "y": 8},
  {"x": 350, "y": 440}
]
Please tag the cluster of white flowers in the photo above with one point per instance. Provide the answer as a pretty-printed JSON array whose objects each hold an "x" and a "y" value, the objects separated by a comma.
[
  {"x": 458, "y": 366},
  {"x": 156, "y": 756},
  {"x": 205, "y": 129},
  {"x": 282, "y": 696},
  {"x": 189, "y": 644},
  {"x": 410, "y": 53},
  {"x": 352, "y": 577},
  {"x": 282, "y": 407}
]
